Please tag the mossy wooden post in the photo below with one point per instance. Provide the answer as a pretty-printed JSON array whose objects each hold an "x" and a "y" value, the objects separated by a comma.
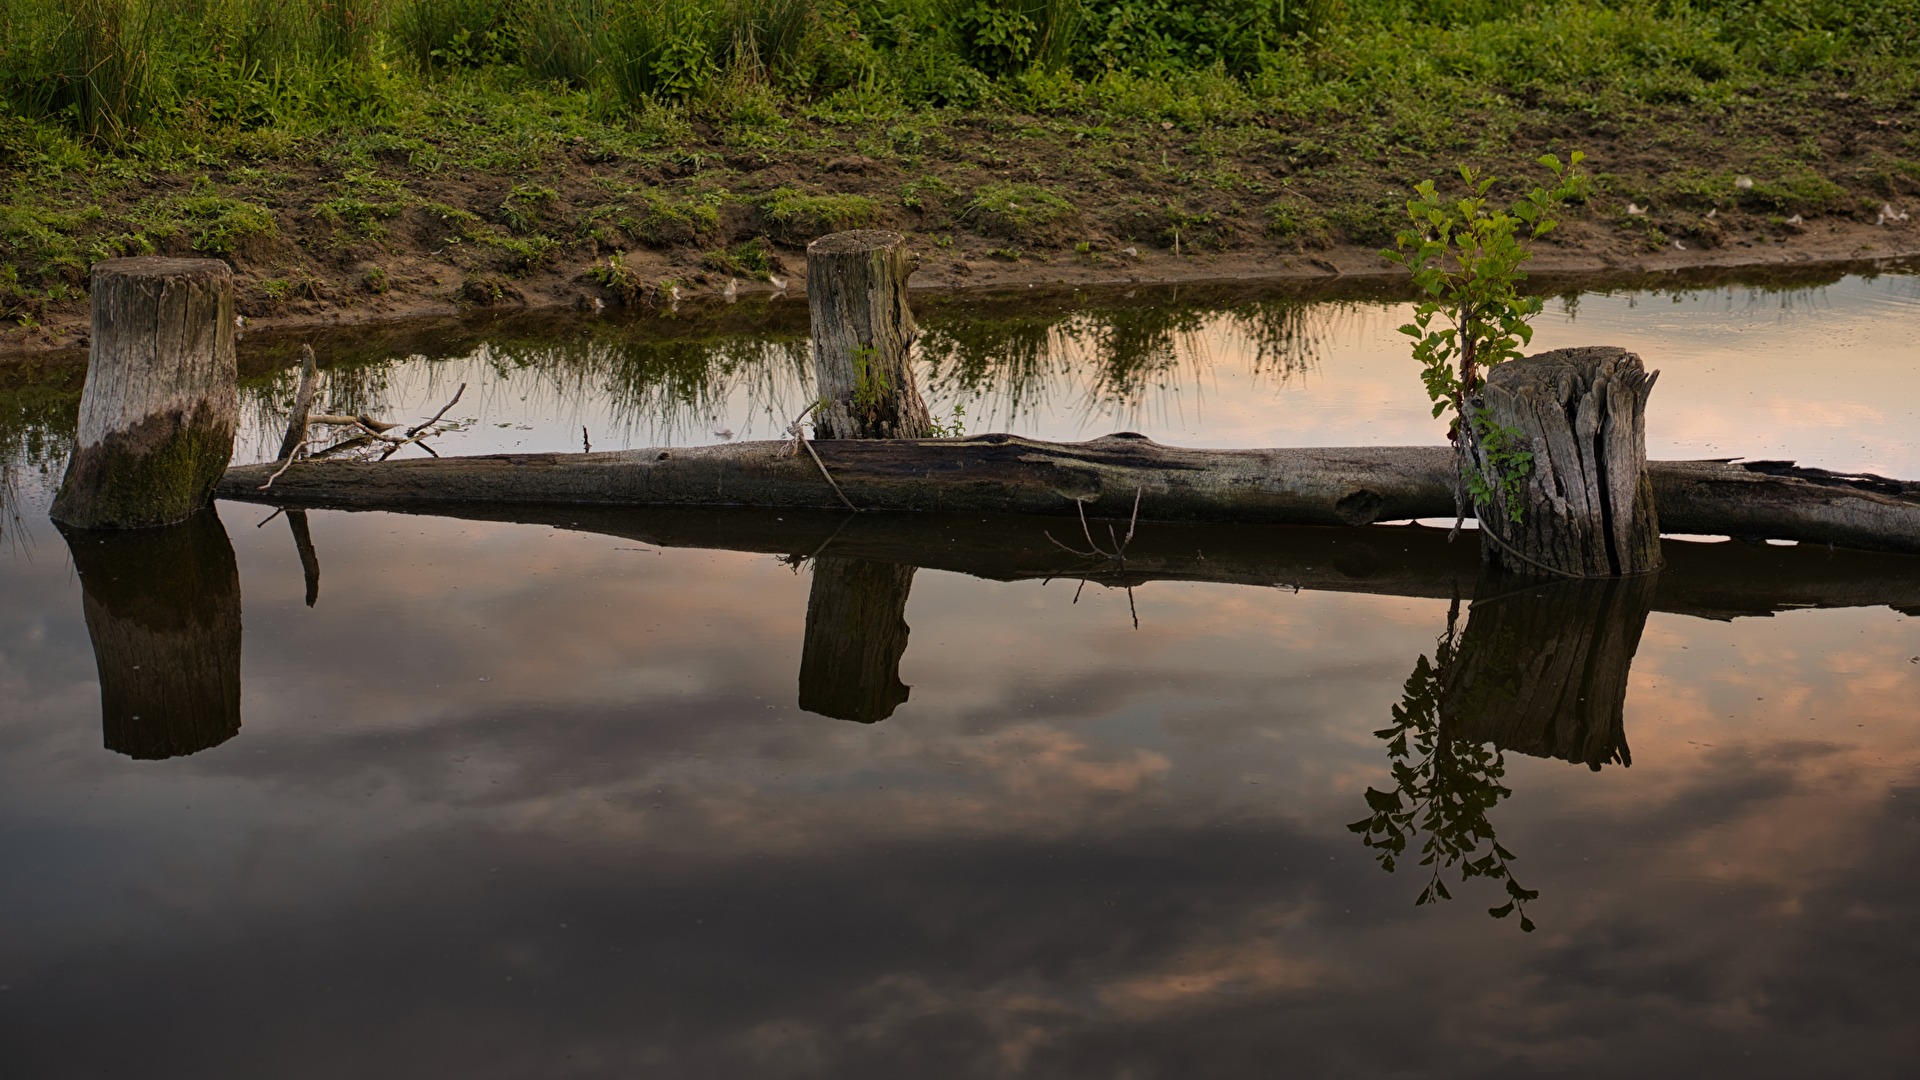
[
  {"x": 856, "y": 634},
  {"x": 1586, "y": 509},
  {"x": 862, "y": 333},
  {"x": 158, "y": 410}
]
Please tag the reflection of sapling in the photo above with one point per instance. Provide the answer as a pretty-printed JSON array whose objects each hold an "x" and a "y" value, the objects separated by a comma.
[
  {"x": 1443, "y": 788},
  {"x": 1465, "y": 256}
]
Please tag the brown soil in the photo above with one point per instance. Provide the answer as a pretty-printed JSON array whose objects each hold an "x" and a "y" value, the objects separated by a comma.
[{"x": 1148, "y": 204}]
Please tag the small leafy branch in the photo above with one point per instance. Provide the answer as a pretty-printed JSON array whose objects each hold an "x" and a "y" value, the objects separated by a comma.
[
  {"x": 1465, "y": 255},
  {"x": 1443, "y": 789}
]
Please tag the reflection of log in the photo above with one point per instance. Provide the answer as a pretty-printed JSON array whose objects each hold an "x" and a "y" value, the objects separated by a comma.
[
  {"x": 1713, "y": 581},
  {"x": 1542, "y": 666},
  {"x": 1585, "y": 507},
  {"x": 856, "y": 634},
  {"x": 1004, "y": 474},
  {"x": 163, "y": 609}
]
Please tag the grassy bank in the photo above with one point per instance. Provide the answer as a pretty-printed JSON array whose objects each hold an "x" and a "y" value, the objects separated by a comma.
[{"x": 375, "y": 154}]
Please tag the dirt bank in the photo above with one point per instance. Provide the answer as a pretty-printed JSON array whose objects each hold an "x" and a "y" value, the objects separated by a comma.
[{"x": 343, "y": 234}]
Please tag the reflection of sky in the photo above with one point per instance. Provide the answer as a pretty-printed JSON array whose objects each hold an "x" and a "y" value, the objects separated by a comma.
[
  {"x": 519, "y": 801},
  {"x": 513, "y": 801},
  {"x": 1828, "y": 376}
]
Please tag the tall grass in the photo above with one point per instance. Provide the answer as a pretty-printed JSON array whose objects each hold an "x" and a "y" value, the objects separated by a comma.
[{"x": 107, "y": 68}]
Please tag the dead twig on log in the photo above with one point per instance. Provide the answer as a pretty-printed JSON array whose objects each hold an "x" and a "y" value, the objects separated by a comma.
[
  {"x": 1119, "y": 552},
  {"x": 800, "y": 442}
]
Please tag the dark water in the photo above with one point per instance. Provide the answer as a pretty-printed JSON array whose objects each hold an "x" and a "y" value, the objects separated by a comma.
[{"x": 748, "y": 794}]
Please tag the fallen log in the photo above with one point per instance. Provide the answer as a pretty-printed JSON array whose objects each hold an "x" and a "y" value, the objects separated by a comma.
[{"x": 1006, "y": 474}]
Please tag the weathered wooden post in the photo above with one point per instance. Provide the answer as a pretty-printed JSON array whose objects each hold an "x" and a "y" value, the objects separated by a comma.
[
  {"x": 1543, "y": 663},
  {"x": 163, "y": 610},
  {"x": 158, "y": 410},
  {"x": 856, "y": 634},
  {"x": 1587, "y": 508},
  {"x": 862, "y": 334}
]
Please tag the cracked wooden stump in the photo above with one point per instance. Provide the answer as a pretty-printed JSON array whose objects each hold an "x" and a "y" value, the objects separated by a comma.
[
  {"x": 158, "y": 410},
  {"x": 863, "y": 333},
  {"x": 1587, "y": 506}
]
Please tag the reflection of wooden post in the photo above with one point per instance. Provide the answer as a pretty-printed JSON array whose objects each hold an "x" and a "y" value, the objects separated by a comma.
[
  {"x": 158, "y": 410},
  {"x": 1542, "y": 666},
  {"x": 862, "y": 331},
  {"x": 1588, "y": 506},
  {"x": 163, "y": 610},
  {"x": 856, "y": 634}
]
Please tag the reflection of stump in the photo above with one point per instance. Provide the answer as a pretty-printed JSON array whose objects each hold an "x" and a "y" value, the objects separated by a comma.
[
  {"x": 1587, "y": 507},
  {"x": 1542, "y": 669},
  {"x": 163, "y": 609},
  {"x": 856, "y": 634}
]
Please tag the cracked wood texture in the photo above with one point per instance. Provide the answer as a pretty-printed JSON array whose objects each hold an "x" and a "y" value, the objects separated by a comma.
[
  {"x": 1587, "y": 508},
  {"x": 862, "y": 334},
  {"x": 1006, "y": 474},
  {"x": 158, "y": 411}
]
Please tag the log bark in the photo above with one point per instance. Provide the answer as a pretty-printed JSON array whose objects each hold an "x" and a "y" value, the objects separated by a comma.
[
  {"x": 1586, "y": 508},
  {"x": 856, "y": 634},
  {"x": 163, "y": 609},
  {"x": 1542, "y": 666},
  {"x": 158, "y": 410},
  {"x": 863, "y": 332},
  {"x": 1005, "y": 474}
]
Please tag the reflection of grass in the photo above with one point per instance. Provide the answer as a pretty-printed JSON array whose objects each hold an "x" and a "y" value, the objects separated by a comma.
[
  {"x": 1118, "y": 360},
  {"x": 38, "y": 409},
  {"x": 669, "y": 380}
]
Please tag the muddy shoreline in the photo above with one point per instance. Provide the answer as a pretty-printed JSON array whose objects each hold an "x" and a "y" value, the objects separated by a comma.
[{"x": 1581, "y": 262}]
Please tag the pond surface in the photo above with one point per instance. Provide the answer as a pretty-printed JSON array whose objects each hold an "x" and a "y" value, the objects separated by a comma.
[{"x": 733, "y": 793}]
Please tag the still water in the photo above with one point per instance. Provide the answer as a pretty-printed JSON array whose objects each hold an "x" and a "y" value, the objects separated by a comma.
[{"x": 718, "y": 794}]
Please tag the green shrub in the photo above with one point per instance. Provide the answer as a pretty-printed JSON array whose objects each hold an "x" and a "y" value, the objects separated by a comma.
[
  {"x": 797, "y": 218},
  {"x": 662, "y": 49},
  {"x": 751, "y": 259},
  {"x": 1028, "y": 213}
]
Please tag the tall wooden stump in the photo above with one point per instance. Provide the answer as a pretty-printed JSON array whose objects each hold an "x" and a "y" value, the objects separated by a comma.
[
  {"x": 856, "y": 635},
  {"x": 1542, "y": 666},
  {"x": 862, "y": 331},
  {"x": 158, "y": 410},
  {"x": 1587, "y": 509},
  {"x": 163, "y": 610}
]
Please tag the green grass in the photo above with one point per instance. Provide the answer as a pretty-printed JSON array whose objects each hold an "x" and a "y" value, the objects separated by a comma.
[
  {"x": 508, "y": 136},
  {"x": 1028, "y": 213}
]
